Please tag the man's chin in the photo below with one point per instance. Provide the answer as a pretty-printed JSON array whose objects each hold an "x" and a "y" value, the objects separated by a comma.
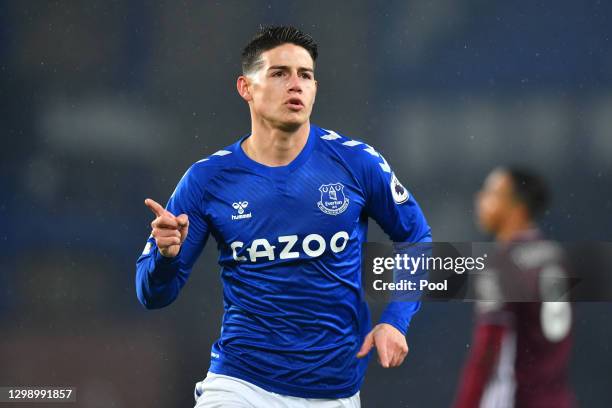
[
  {"x": 485, "y": 227},
  {"x": 291, "y": 125}
]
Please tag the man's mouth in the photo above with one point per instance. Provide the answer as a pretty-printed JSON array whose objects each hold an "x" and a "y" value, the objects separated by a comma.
[{"x": 294, "y": 104}]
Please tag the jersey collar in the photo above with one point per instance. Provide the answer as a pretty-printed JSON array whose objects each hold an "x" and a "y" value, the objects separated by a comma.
[{"x": 279, "y": 171}]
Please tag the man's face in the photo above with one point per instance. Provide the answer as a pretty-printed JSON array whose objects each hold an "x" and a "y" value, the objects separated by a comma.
[
  {"x": 495, "y": 201},
  {"x": 282, "y": 91}
]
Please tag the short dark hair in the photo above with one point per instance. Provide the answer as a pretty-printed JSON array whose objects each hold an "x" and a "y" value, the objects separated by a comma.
[
  {"x": 269, "y": 37},
  {"x": 530, "y": 189}
]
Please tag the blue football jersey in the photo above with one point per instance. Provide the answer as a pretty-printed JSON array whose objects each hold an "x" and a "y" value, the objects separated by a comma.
[{"x": 290, "y": 242}]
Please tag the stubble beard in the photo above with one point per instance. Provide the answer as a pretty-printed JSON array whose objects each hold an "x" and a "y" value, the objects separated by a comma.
[{"x": 292, "y": 124}]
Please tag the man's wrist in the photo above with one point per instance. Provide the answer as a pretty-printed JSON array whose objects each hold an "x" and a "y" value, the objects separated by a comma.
[
  {"x": 163, "y": 259},
  {"x": 395, "y": 324}
]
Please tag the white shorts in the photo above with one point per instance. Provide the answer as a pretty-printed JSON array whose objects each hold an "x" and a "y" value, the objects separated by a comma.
[{"x": 222, "y": 391}]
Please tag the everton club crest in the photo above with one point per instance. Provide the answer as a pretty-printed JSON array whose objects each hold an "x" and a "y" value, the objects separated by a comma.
[{"x": 333, "y": 200}]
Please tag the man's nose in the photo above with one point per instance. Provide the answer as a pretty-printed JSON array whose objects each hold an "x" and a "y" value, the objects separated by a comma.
[{"x": 294, "y": 83}]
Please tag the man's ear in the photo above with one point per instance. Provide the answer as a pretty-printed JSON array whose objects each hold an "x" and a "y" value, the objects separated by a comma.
[{"x": 242, "y": 85}]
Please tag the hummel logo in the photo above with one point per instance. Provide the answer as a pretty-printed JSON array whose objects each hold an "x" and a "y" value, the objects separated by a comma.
[{"x": 239, "y": 207}]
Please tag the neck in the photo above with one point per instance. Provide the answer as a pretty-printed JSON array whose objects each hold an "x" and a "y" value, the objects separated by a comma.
[
  {"x": 512, "y": 228},
  {"x": 274, "y": 147}
]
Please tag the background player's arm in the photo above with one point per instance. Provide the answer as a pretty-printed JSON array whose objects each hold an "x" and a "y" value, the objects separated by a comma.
[
  {"x": 175, "y": 244},
  {"x": 479, "y": 366}
]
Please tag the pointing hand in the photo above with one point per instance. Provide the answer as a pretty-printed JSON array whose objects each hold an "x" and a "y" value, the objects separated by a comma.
[{"x": 169, "y": 231}]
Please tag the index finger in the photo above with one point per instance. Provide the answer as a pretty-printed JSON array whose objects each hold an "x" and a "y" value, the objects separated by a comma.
[
  {"x": 154, "y": 206},
  {"x": 383, "y": 353}
]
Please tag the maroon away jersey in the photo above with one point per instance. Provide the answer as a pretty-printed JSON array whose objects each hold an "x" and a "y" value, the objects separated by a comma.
[{"x": 532, "y": 367}]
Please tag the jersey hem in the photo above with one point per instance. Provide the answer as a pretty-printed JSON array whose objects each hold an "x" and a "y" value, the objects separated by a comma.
[{"x": 286, "y": 389}]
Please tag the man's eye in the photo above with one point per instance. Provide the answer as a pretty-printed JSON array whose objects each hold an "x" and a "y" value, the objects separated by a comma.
[
  {"x": 306, "y": 75},
  {"x": 277, "y": 73}
]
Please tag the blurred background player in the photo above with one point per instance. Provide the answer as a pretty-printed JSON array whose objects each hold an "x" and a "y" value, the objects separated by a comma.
[{"x": 520, "y": 350}]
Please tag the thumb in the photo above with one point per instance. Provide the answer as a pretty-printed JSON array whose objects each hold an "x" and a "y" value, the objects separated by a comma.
[
  {"x": 183, "y": 222},
  {"x": 367, "y": 345}
]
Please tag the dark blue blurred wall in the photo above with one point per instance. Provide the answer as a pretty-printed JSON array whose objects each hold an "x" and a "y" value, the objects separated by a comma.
[{"x": 106, "y": 103}]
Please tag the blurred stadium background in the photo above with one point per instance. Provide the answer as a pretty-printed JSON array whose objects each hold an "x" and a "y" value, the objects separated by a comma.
[{"x": 106, "y": 103}]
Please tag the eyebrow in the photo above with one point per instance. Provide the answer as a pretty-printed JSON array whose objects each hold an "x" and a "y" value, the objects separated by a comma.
[{"x": 287, "y": 67}]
